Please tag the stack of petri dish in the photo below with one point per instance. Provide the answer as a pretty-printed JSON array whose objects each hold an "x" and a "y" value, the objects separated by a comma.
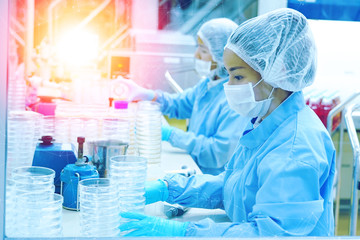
[
  {"x": 73, "y": 120},
  {"x": 148, "y": 131},
  {"x": 24, "y": 130},
  {"x": 99, "y": 208},
  {"x": 115, "y": 128},
  {"x": 10, "y": 215},
  {"x": 48, "y": 126},
  {"x": 17, "y": 90},
  {"x": 126, "y": 111},
  {"x": 34, "y": 209},
  {"x": 128, "y": 174},
  {"x": 133, "y": 149},
  {"x": 87, "y": 127}
]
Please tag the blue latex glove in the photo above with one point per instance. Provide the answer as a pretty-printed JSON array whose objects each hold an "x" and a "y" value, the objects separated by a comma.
[
  {"x": 166, "y": 132},
  {"x": 125, "y": 88},
  {"x": 156, "y": 191},
  {"x": 143, "y": 225}
]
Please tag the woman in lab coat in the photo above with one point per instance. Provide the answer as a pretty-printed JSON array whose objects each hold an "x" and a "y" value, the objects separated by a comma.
[
  {"x": 279, "y": 180},
  {"x": 214, "y": 128}
]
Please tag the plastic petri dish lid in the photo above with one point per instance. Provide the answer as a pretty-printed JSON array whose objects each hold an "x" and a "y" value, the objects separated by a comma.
[
  {"x": 128, "y": 162},
  {"x": 40, "y": 174},
  {"x": 96, "y": 185},
  {"x": 148, "y": 105}
]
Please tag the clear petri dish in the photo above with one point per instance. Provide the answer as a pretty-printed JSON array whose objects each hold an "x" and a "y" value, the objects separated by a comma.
[{"x": 36, "y": 175}]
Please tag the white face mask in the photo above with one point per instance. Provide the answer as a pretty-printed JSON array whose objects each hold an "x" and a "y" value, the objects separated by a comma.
[
  {"x": 203, "y": 68},
  {"x": 241, "y": 99}
]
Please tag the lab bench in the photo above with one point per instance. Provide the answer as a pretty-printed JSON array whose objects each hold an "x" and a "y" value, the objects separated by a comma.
[{"x": 172, "y": 160}]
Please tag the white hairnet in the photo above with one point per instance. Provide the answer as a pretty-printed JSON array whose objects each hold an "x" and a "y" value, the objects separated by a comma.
[
  {"x": 215, "y": 33},
  {"x": 280, "y": 46}
]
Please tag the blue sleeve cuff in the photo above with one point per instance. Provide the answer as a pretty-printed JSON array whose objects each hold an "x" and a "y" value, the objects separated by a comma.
[
  {"x": 165, "y": 190},
  {"x": 172, "y": 180},
  {"x": 156, "y": 191}
]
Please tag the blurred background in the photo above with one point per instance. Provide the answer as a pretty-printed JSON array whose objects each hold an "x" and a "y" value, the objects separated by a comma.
[{"x": 63, "y": 44}]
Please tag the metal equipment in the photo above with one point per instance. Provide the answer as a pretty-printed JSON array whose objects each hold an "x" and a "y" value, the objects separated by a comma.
[
  {"x": 356, "y": 152},
  {"x": 103, "y": 150},
  {"x": 72, "y": 174},
  {"x": 55, "y": 156},
  {"x": 341, "y": 108}
]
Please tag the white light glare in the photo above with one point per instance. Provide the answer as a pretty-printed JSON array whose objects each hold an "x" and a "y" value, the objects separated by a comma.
[{"x": 78, "y": 48}]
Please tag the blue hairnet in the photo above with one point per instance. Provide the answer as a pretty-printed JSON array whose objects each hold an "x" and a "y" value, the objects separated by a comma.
[
  {"x": 215, "y": 33},
  {"x": 280, "y": 46}
]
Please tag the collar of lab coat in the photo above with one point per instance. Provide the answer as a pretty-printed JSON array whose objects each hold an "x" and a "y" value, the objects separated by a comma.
[
  {"x": 211, "y": 84},
  {"x": 218, "y": 88},
  {"x": 293, "y": 104}
]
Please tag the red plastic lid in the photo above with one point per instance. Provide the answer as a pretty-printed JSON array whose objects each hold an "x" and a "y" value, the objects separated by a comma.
[
  {"x": 47, "y": 140},
  {"x": 80, "y": 139}
]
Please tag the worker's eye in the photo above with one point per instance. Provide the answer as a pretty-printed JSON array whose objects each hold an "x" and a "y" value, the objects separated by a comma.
[{"x": 238, "y": 77}]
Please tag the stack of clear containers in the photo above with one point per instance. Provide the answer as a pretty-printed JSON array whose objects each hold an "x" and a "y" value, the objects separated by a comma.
[
  {"x": 115, "y": 128},
  {"x": 24, "y": 130},
  {"x": 73, "y": 120},
  {"x": 133, "y": 149},
  {"x": 148, "y": 131},
  {"x": 83, "y": 126},
  {"x": 99, "y": 208},
  {"x": 48, "y": 126},
  {"x": 122, "y": 110},
  {"x": 17, "y": 89},
  {"x": 33, "y": 209},
  {"x": 10, "y": 215},
  {"x": 128, "y": 174}
]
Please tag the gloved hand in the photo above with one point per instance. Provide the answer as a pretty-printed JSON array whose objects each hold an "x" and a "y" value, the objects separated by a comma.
[
  {"x": 156, "y": 191},
  {"x": 166, "y": 132},
  {"x": 132, "y": 91},
  {"x": 143, "y": 225}
]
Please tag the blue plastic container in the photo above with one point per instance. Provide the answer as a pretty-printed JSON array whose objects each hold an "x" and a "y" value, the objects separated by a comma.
[
  {"x": 70, "y": 177},
  {"x": 55, "y": 156}
]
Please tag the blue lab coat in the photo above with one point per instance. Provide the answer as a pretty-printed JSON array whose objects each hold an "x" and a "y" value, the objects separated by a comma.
[
  {"x": 278, "y": 182},
  {"x": 214, "y": 128}
]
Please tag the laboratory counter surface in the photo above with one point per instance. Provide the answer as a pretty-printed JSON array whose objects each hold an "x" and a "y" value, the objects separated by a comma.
[{"x": 172, "y": 160}]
